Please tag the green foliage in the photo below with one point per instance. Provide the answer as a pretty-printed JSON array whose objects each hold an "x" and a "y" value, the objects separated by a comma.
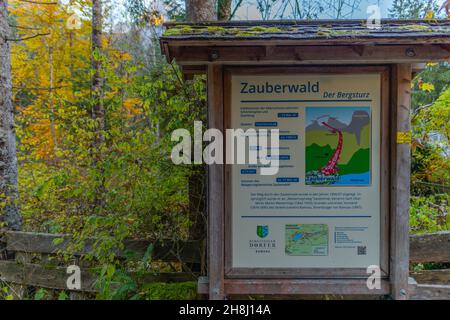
[
  {"x": 63, "y": 296},
  {"x": 5, "y": 292},
  {"x": 169, "y": 291},
  {"x": 124, "y": 187},
  {"x": 411, "y": 9},
  {"x": 428, "y": 214},
  {"x": 40, "y": 294},
  {"x": 431, "y": 130},
  {"x": 437, "y": 74}
]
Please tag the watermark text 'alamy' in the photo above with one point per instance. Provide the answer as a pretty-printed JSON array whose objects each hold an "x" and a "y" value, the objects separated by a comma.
[{"x": 242, "y": 147}]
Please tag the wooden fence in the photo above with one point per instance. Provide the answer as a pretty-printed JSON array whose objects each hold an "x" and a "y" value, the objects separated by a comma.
[
  {"x": 34, "y": 259},
  {"x": 427, "y": 248},
  {"x": 30, "y": 261}
]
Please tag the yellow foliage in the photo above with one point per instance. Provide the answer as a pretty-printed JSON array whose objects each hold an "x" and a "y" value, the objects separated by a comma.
[
  {"x": 132, "y": 105},
  {"x": 429, "y": 15},
  {"x": 51, "y": 71},
  {"x": 427, "y": 86},
  {"x": 156, "y": 18}
]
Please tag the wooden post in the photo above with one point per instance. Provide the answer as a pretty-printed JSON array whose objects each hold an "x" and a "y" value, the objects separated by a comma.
[
  {"x": 400, "y": 179},
  {"x": 215, "y": 189}
]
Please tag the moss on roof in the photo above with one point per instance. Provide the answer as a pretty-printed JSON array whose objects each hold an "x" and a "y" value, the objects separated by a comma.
[{"x": 307, "y": 30}]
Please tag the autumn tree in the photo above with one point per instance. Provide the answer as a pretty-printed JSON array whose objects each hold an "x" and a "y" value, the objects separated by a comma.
[{"x": 8, "y": 159}]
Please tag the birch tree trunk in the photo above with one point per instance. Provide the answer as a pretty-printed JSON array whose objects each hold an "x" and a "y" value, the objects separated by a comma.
[{"x": 9, "y": 194}]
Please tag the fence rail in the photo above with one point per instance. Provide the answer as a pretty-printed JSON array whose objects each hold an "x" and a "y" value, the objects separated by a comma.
[
  {"x": 34, "y": 259},
  {"x": 24, "y": 269},
  {"x": 45, "y": 243}
]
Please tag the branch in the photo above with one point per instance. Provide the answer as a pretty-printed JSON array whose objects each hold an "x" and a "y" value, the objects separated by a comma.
[
  {"x": 21, "y": 27},
  {"x": 39, "y": 2},
  {"x": 417, "y": 111},
  {"x": 238, "y": 4},
  {"x": 30, "y": 37},
  {"x": 40, "y": 88}
]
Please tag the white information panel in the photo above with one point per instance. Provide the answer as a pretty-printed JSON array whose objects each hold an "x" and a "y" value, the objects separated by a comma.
[{"x": 322, "y": 208}]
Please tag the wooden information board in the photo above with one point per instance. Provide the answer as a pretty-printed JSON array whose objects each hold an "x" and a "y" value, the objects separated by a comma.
[
  {"x": 339, "y": 201},
  {"x": 322, "y": 212}
]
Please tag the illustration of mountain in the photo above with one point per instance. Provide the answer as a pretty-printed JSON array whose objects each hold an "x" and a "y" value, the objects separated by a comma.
[
  {"x": 315, "y": 126},
  {"x": 335, "y": 123},
  {"x": 360, "y": 118}
]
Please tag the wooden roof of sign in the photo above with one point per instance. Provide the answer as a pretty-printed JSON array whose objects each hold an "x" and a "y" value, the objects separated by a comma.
[{"x": 301, "y": 42}]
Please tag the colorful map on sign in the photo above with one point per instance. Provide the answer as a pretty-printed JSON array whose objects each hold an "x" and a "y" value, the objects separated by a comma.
[
  {"x": 338, "y": 146},
  {"x": 306, "y": 239}
]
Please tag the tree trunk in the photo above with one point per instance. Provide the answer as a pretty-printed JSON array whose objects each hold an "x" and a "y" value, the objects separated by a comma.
[
  {"x": 98, "y": 109},
  {"x": 9, "y": 194},
  {"x": 50, "y": 100},
  {"x": 198, "y": 11},
  {"x": 201, "y": 10},
  {"x": 224, "y": 10}
]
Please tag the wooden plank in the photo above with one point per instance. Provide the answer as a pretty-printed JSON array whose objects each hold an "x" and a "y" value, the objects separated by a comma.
[
  {"x": 296, "y": 286},
  {"x": 431, "y": 292},
  {"x": 198, "y": 41},
  {"x": 40, "y": 276},
  {"x": 441, "y": 276},
  {"x": 228, "y": 201},
  {"x": 189, "y": 71},
  {"x": 302, "y": 54},
  {"x": 54, "y": 277},
  {"x": 431, "y": 247},
  {"x": 385, "y": 168},
  {"x": 215, "y": 189},
  {"x": 400, "y": 175},
  {"x": 165, "y": 250}
]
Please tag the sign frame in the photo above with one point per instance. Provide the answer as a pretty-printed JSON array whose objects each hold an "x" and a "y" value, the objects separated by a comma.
[
  {"x": 230, "y": 271},
  {"x": 396, "y": 103}
]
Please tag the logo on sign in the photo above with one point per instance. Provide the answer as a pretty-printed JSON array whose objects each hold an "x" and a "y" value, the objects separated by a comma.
[{"x": 262, "y": 231}]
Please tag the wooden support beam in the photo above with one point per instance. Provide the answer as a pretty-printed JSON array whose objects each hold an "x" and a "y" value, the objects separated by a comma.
[
  {"x": 190, "y": 71},
  {"x": 296, "y": 286},
  {"x": 215, "y": 189},
  {"x": 285, "y": 54},
  {"x": 400, "y": 179}
]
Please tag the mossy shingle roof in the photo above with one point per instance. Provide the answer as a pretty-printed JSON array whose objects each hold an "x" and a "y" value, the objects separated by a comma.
[{"x": 318, "y": 30}]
